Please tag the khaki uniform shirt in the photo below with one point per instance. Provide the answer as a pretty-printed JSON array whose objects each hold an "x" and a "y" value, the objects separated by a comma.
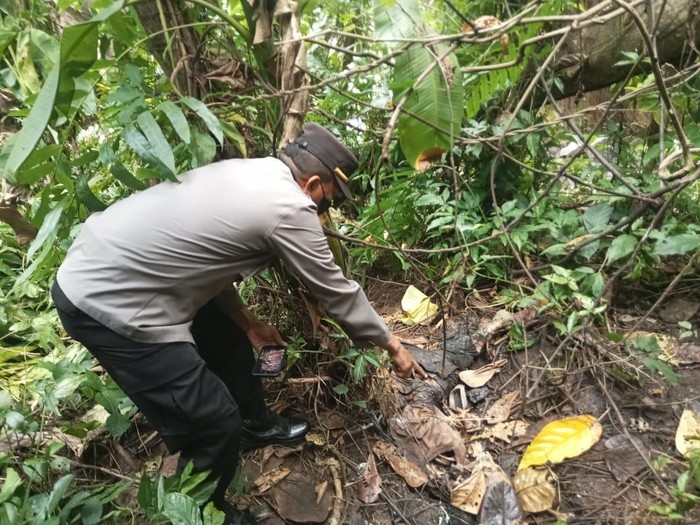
[{"x": 145, "y": 265}]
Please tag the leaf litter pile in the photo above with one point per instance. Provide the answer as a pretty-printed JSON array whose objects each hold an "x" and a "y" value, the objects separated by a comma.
[
  {"x": 501, "y": 433},
  {"x": 582, "y": 434}
]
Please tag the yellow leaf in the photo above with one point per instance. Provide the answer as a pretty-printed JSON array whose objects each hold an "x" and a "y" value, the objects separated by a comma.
[
  {"x": 316, "y": 439},
  {"x": 563, "y": 439},
  {"x": 688, "y": 432},
  {"x": 418, "y": 307},
  {"x": 534, "y": 489}
]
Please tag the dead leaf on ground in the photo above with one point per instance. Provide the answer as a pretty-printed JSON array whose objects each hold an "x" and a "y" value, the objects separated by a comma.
[
  {"x": 321, "y": 491},
  {"x": 424, "y": 433},
  {"x": 688, "y": 432},
  {"x": 623, "y": 458},
  {"x": 500, "y": 410},
  {"x": 418, "y": 340},
  {"x": 481, "y": 376},
  {"x": 505, "y": 431},
  {"x": 689, "y": 354},
  {"x": 562, "y": 439},
  {"x": 294, "y": 499},
  {"x": 678, "y": 310},
  {"x": 535, "y": 489},
  {"x": 269, "y": 479},
  {"x": 332, "y": 420},
  {"x": 501, "y": 505},
  {"x": 369, "y": 487},
  {"x": 413, "y": 475},
  {"x": 468, "y": 495}
]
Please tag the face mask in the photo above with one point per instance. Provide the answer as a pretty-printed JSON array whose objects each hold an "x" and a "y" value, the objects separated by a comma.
[{"x": 323, "y": 206}]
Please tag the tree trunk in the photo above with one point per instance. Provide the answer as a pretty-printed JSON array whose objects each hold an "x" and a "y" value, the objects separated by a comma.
[
  {"x": 587, "y": 61},
  {"x": 173, "y": 46}
]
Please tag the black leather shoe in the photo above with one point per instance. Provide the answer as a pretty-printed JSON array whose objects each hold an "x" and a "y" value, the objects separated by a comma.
[{"x": 273, "y": 429}]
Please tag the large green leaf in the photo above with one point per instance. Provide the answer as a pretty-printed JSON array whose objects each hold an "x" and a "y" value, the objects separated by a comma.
[
  {"x": 12, "y": 482},
  {"x": 86, "y": 196},
  {"x": 177, "y": 119},
  {"x": 47, "y": 232},
  {"x": 400, "y": 19},
  {"x": 621, "y": 247},
  {"x": 117, "y": 169},
  {"x": 181, "y": 509},
  {"x": 212, "y": 121},
  {"x": 8, "y": 32},
  {"x": 144, "y": 149},
  {"x": 677, "y": 244},
  {"x": 597, "y": 217},
  {"x": 78, "y": 52},
  {"x": 159, "y": 144},
  {"x": 432, "y": 115}
]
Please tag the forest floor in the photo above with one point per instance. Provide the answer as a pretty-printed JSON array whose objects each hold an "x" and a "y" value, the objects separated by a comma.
[{"x": 427, "y": 438}]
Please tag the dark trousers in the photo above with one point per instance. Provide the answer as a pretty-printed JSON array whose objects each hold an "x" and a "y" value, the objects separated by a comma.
[{"x": 194, "y": 395}]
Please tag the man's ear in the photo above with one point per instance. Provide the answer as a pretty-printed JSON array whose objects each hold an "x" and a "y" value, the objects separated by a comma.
[{"x": 311, "y": 182}]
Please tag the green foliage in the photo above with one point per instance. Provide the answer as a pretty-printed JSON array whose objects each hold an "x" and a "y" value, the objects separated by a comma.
[
  {"x": 62, "y": 504},
  {"x": 178, "y": 499},
  {"x": 427, "y": 83},
  {"x": 360, "y": 362},
  {"x": 685, "y": 493},
  {"x": 648, "y": 349}
]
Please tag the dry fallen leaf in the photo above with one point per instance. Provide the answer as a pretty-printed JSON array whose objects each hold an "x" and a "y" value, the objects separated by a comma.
[
  {"x": 534, "y": 489},
  {"x": 468, "y": 495},
  {"x": 679, "y": 309},
  {"x": 369, "y": 488},
  {"x": 626, "y": 456},
  {"x": 268, "y": 480},
  {"x": 412, "y": 474},
  {"x": 321, "y": 490},
  {"x": 481, "y": 376},
  {"x": 504, "y": 431},
  {"x": 500, "y": 410},
  {"x": 562, "y": 439},
  {"x": 688, "y": 432},
  {"x": 423, "y": 433},
  {"x": 332, "y": 421},
  {"x": 502, "y": 319}
]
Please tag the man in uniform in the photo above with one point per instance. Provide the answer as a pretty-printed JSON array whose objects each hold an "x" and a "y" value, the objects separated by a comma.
[{"x": 147, "y": 288}]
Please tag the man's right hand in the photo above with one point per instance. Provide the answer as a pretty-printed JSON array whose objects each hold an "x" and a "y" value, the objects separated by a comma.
[{"x": 405, "y": 364}]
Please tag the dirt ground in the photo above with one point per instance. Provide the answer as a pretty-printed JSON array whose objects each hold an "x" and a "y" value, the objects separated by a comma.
[{"x": 633, "y": 465}]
